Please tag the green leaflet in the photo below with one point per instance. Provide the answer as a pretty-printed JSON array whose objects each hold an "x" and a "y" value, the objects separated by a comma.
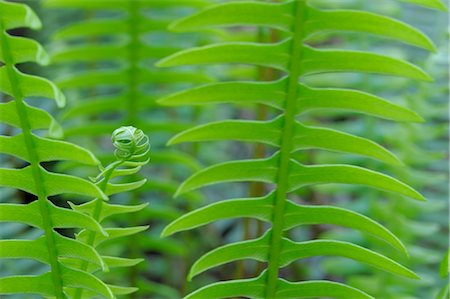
[
  {"x": 319, "y": 288},
  {"x": 47, "y": 150},
  {"x": 437, "y": 4},
  {"x": 278, "y": 16},
  {"x": 296, "y": 215},
  {"x": 39, "y": 119},
  {"x": 90, "y": 28},
  {"x": 321, "y": 61},
  {"x": 268, "y": 93},
  {"x": 272, "y": 94},
  {"x": 258, "y": 208},
  {"x": 258, "y": 249},
  {"x": 444, "y": 266},
  {"x": 119, "y": 4},
  {"x": 238, "y": 13},
  {"x": 118, "y": 78},
  {"x": 251, "y": 288},
  {"x": 254, "y": 287},
  {"x": 31, "y": 284},
  {"x": 31, "y": 86},
  {"x": 112, "y": 233},
  {"x": 119, "y": 188},
  {"x": 119, "y": 262},
  {"x": 312, "y": 62},
  {"x": 111, "y": 52},
  {"x": 16, "y": 15},
  {"x": 264, "y": 170},
  {"x": 292, "y": 251},
  {"x": 360, "y": 21},
  {"x": 352, "y": 100},
  {"x": 269, "y": 132},
  {"x": 80, "y": 279},
  {"x": 107, "y": 209},
  {"x": 24, "y": 50},
  {"x": 270, "y": 55},
  {"x": 61, "y": 218},
  {"x": 32, "y": 249},
  {"x": 345, "y": 174}
]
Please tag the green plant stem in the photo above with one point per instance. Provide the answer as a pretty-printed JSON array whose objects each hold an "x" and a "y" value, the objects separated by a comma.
[
  {"x": 36, "y": 169},
  {"x": 285, "y": 149},
  {"x": 133, "y": 61},
  {"x": 132, "y": 110},
  {"x": 96, "y": 215}
]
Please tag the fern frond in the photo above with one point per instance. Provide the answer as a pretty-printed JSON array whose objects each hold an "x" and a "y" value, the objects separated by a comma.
[
  {"x": 132, "y": 148},
  {"x": 299, "y": 21},
  {"x": 51, "y": 248}
]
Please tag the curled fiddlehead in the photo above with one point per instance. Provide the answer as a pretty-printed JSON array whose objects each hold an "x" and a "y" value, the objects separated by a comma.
[{"x": 130, "y": 143}]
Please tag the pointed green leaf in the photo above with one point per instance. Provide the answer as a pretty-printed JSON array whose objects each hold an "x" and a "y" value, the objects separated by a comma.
[
  {"x": 30, "y": 249},
  {"x": 292, "y": 251},
  {"x": 272, "y": 15},
  {"x": 268, "y": 132},
  {"x": 22, "y": 213},
  {"x": 318, "y": 289},
  {"x": 113, "y": 233},
  {"x": 262, "y": 170},
  {"x": 28, "y": 284},
  {"x": 120, "y": 290},
  {"x": 112, "y": 189},
  {"x": 248, "y": 288},
  {"x": 38, "y": 118},
  {"x": 80, "y": 279},
  {"x": 270, "y": 55},
  {"x": 361, "y": 21},
  {"x": 67, "y": 247},
  {"x": 326, "y": 61},
  {"x": 267, "y": 93},
  {"x": 257, "y": 249},
  {"x": 107, "y": 209},
  {"x": 31, "y": 86},
  {"x": 61, "y": 217},
  {"x": 315, "y": 137},
  {"x": 352, "y": 100},
  {"x": 301, "y": 176},
  {"x": 296, "y": 215},
  {"x": 17, "y": 15},
  {"x": 23, "y": 50},
  {"x": 436, "y": 4},
  {"x": 257, "y": 208}
]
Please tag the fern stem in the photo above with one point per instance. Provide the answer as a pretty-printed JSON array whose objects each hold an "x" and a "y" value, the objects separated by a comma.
[
  {"x": 132, "y": 109},
  {"x": 36, "y": 169},
  {"x": 96, "y": 216},
  {"x": 133, "y": 61},
  {"x": 285, "y": 149}
]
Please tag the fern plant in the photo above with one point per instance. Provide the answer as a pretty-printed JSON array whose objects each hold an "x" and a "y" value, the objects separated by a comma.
[
  {"x": 51, "y": 247},
  {"x": 107, "y": 56},
  {"x": 292, "y": 56},
  {"x": 131, "y": 153}
]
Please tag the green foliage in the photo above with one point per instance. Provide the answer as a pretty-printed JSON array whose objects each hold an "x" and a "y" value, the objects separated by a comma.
[
  {"x": 299, "y": 22},
  {"x": 315, "y": 131},
  {"x": 59, "y": 252}
]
